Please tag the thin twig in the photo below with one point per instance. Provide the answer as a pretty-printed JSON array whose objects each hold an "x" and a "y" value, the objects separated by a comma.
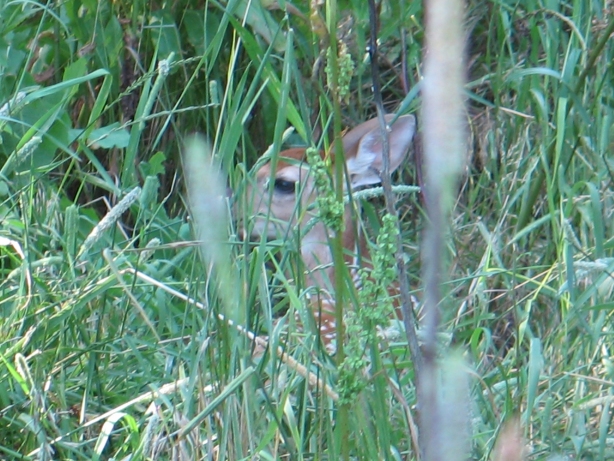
[{"x": 409, "y": 318}]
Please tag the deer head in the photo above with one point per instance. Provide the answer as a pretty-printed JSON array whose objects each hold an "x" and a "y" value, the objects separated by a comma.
[{"x": 278, "y": 207}]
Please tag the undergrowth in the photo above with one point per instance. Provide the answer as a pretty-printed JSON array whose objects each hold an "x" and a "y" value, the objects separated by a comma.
[{"x": 115, "y": 341}]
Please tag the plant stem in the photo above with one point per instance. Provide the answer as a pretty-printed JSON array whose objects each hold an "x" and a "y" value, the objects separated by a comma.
[
  {"x": 408, "y": 313},
  {"x": 337, "y": 243}
]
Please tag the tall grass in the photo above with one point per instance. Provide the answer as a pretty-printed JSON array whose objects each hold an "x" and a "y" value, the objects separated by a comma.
[{"x": 115, "y": 341}]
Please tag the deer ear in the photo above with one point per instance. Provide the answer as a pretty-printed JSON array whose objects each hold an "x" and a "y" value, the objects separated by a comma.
[{"x": 365, "y": 167}]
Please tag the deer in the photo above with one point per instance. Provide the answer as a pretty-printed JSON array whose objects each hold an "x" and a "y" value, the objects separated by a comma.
[{"x": 290, "y": 201}]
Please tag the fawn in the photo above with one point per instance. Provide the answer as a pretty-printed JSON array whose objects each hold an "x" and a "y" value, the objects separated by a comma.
[{"x": 290, "y": 202}]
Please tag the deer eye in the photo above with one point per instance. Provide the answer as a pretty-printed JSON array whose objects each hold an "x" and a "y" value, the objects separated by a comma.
[{"x": 285, "y": 187}]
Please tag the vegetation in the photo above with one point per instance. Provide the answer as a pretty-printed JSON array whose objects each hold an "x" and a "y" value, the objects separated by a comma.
[{"x": 116, "y": 341}]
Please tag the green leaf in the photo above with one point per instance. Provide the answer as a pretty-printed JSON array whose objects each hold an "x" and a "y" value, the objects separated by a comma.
[{"x": 106, "y": 137}]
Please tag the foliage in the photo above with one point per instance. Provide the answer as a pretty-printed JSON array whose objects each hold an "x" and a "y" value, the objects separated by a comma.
[{"x": 113, "y": 341}]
